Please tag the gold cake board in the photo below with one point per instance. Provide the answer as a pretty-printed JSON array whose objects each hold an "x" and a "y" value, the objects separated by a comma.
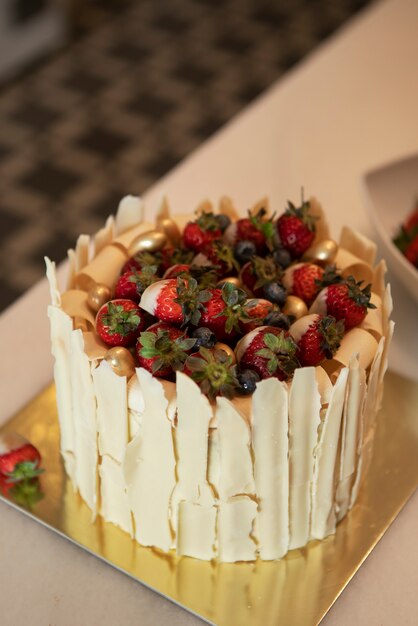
[{"x": 242, "y": 594}]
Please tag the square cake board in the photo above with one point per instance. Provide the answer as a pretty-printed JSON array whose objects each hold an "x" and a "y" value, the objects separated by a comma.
[{"x": 241, "y": 594}]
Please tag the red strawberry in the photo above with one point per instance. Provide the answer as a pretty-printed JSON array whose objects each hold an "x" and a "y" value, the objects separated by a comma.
[
  {"x": 318, "y": 337},
  {"x": 269, "y": 351},
  {"x": 197, "y": 235},
  {"x": 253, "y": 228},
  {"x": 142, "y": 259},
  {"x": 19, "y": 459},
  {"x": 176, "y": 270},
  {"x": 134, "y": 282},
  {"x": 119, "y": 322},
  {"x": 221, "y": 256},
  {"x": 25, "y": 492},
  {"x": 259, "y": 272},
  {"x": 304, "y": 281},
  {"x": 162, "y": 349},
  {"x": 224, "y": 310},
  {"x": 411, "y": 251},
  {"x": 175, "y": 300},
  {"x": 257, "y": 309},
  {"x": 345, "y": 301},
  {"x": 213, "y": 371},
  {"x": 296, "y": 228},
  {"x": 175, "y": 256}
]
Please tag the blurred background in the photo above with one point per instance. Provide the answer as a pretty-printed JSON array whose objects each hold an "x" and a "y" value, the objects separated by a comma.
[{"x": 101, "y": 98}]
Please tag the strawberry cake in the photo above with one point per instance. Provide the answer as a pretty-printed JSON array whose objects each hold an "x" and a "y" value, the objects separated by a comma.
[{"x": 218, "y": 376}]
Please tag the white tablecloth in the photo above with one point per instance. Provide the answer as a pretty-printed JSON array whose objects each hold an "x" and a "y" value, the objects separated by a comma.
[{"x": 350, "y": 106}]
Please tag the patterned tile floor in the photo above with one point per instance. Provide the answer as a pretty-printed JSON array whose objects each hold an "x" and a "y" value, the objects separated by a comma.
[{"x": 121, "y": 106}]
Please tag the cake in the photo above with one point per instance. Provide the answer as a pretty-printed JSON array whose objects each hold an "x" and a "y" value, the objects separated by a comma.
[{"x": 254, "y": 458}]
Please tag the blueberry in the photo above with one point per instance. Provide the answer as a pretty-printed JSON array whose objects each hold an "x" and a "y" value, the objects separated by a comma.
[
  {"x": 244, "y": 251},
  {"x": 205, "y": 337},
  {"x": 275, "y": 292},
  {"x": 247, "y": 380},
  {"x": 223, "y": 221},
  {"x": 275, "y": 318},
  {"x": 282, "y": 257}
]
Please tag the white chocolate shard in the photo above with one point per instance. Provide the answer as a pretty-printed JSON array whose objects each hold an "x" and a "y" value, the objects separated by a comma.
[
  {"x": 149, "y": 467},
  {"x": 236, "y": 519},
  {"x": 191, "y": 436},
  {"x": 112, "y": 411},
  {"x": 304, "y": 419},
  {"x": 104, "y": 268},
  {"x": 135, "y": 406},
  {"x": 321, "y": 224},
  {"x": 85, "y": 423},
  {"x": 129, "y": 214},
  {"x": 271, "y": 466},
  {"x": 378, "y": 284},
  {"x": 196, "y": 534},
  {"x": 104, "y": 236},
  {"x": 356, "y": 341},
  {"x": 74, "y": 303},
  {"x": 61, "y": 330},
  {"x": 263, "y": 203},
  {"x": 358, "y": 244},
  {"x": 373, "y": 322},
  {"x": 214, "y": 463},
  {"x": 163, "y": 211},
  {"x": 351, "y": 427},
  {"x": 324, "y": 384},
  {"x": 205, "y": 206},
  {"x": 323, "y": 518},
  {"x": 82, "y": 252},
  {"x": 350, "y": 264},
  {"x": 125, "y": 239},
  {"x": 358, "y": 386},
  {"x": 114, "y": 499},
  {"x": 51, "y": 275},
  {"x": 236, "y": 468},
  {"x": 71, "y": 269},
  {"x": 227, "y": 207}
]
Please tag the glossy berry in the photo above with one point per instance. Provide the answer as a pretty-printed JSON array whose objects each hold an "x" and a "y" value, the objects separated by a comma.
[
  {"x": 282, "y": 257},
  {"x": 247, "y": 380},
  {"x": 204, "y": 337},
  {"x": 277, "y": 319},
  {"x": 119, "y": 322},
  {"x": 244, "y": 251},
  {"x": 162, "y": 349},
  {"x": 269, "y": 351},
  {"x": 275, "y": 293},
  {"x": 296, "y": 228},
  {"x": 223, "y": 221},
  {"x": 199, "y": 234}
]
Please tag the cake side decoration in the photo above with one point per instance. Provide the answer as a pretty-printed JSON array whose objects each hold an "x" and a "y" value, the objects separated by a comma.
[{"x": 218, "y": 377}]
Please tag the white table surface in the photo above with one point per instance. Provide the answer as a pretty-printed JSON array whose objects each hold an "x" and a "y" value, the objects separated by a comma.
[{"x": 350, "y": 106}]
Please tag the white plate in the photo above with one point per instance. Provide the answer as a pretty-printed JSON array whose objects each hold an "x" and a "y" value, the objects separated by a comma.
[{"x": 391, "y": 191}]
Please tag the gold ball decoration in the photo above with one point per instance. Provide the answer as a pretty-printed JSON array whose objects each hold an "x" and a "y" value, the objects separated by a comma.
[
  {"x": 121, "y": 361},
  {"x": 234, "y": 280},
  {"x": 97, "y": 296},
  {"x": 227, "y": 349},
  {"x": 295, "y": 307},
  {"x": 322, "y": 252},
  {"x": 169, "y": 227},
  {"x": 150, "y": 241}
]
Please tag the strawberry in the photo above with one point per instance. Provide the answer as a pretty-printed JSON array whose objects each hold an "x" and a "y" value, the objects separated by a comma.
[
  {"x": 19, "y": 459},
  {"x": 318, "y": 337},
  {"x": 269, "y": 351},
  {"x": 142, "y": 259},
  {"x": 134, "y": 282},
  {"x": 199, "y": 234},
  {"x": 259, "y": 272},
  {"x": 304, "y": 281},
  {"x": 162, "y": 349},
  {"x": 224, "y": 310},
  {"x": 176, "y": 270},
  {"x": 213, "y": 371},
  {"x": 296, "y": 228},
  {"x": 411, "y": 251},
  {"x": 26, "y": 492},
  {"x": 175, "y": 256},
  {"x": 346, "y": 301},
  {"x": 119, "y": 322},
  {"x": 254, "y": 228},
  {"x": 175, "y": 300},
  {"x": 257, "y": 309},
  {"x": 221, "y": 256}
]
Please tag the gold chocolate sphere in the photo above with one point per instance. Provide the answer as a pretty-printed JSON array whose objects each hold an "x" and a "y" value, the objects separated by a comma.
[
  {"x": 169, "y": 227},
  {"x": 322, "y": 252},
  {"x": 150, "y": 241},
  {"x": 234, "y": 280},
  {"x": 97, "y": 296},
  {"x": 227, "y": 349},
  {"x": 295, "y": 307},
  {"x": 121, "y": 361}
]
